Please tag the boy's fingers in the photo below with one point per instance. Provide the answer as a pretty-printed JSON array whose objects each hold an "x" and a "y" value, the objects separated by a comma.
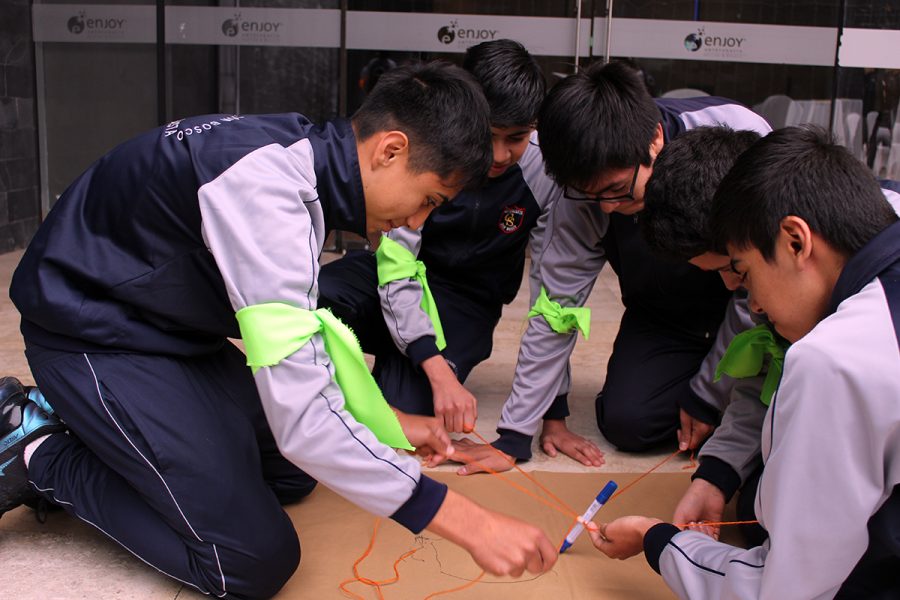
[
  {"x": 469, "y": 469},
  {"x": 468, "y": 419},
  {"x": 549, "y": 449},
  {"x": 684, "y": 433}
]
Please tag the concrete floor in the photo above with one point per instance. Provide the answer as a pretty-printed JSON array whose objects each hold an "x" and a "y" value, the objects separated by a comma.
[{"x": 64, "y": 558}]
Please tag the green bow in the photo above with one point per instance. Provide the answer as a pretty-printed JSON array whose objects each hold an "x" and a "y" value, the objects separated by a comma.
[
  {"x": 273, "y": 331},
  {"x": 745, "y": 356},
  {"x": 396, "y": 262},
  {"x": 562, "y": 320}
]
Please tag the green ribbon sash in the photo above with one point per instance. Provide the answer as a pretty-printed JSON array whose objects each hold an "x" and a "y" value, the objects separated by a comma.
[
  {"x": 273, "y": 331},
  {"x": 745, "y": 356},
  {"x": 560, "y": 319},
  {"x": 396, "y": 262}
]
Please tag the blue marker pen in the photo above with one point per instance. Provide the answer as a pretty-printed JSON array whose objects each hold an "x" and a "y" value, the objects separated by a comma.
[{"x": 599, "y": 501}]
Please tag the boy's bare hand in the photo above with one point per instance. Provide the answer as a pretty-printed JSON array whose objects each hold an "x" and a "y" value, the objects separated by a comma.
[
  {"x": 499, "y": 544},
  {"x": 701, "y": 502},
  {"x": 557, "y": 437},
  {"x": 454, "y": 405},
  {"x": 428, "y": 436},
  {"x": 623, "y": 538},
  {"x": 692, "y": 432}
]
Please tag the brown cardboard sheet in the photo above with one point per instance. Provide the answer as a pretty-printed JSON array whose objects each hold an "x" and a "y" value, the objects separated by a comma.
[{"x": 334, "y": 534}]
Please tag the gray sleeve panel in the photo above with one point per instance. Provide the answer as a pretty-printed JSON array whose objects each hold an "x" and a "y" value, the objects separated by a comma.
[
  {"x": 736, "y": 441},
  {"x": 696, "y": 566},
  {"x": 569, "y": 262},
  {"x": 263, "y": 224},
  {"x": 546, "y": 193},
  {"x": 830, "y": 444},
  {"x": 401, "y": 300},
  {"x": 738, "y": 318}
]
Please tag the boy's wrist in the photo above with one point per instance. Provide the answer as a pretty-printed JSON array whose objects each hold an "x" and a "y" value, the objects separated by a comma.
[{"x": 438, "y": 371}]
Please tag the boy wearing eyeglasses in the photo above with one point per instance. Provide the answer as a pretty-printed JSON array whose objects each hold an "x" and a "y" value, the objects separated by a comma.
[{"x": 600, "y": 132}]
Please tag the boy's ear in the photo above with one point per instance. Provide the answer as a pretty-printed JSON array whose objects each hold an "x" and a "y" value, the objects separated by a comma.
[
  {"x": 796, "y": 235},
  {"x": 657, "y": 142},
  {"x": 391, "y": 146}
]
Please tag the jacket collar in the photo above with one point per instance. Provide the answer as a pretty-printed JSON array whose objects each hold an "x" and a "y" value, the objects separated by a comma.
[
  {"x": 872, "y": 259},
  {"x": 338, "y": 181}
]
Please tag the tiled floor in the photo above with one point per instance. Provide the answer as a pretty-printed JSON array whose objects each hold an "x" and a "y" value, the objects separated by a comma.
[{"x": 66, "y": 559}]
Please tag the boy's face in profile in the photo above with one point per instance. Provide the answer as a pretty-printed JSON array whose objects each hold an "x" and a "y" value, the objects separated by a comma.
[
  {"x": 402, "y": 198},
  {"x": 396, "y": 196},
  {"x": 509, "y": 145},
  {"x": 790, "y": 289}
]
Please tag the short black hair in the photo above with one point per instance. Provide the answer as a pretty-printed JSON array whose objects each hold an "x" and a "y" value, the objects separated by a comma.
[
  {"x": 597, "y": 119},
  {"x": 442, "y": 111},
  {"x": 679, "y": 193},
  {"x": 798, "y": 171},
  {"x": 511, "y": 80}
]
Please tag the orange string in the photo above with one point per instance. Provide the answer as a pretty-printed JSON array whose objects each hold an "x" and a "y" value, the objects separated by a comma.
[
  {"x": 559, "y": 506},
  {"x": 562, "y": 506},
  {"x": 712, "y": 524},
  {"x": 622, "y": 490}
]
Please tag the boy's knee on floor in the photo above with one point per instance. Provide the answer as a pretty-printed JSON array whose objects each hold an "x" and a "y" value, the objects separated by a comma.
[
  {"x": 265, "y": 566},
  {"x": 626, "y": 432}
]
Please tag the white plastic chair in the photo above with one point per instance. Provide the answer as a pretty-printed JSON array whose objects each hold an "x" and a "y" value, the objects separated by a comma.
[
  {"x": 880, "y": 164},
  {"x": 853, "y": 123},
  {"x": 892, "y": 169},
  {"x": 871, "y": 117},
  {"x": 775, "y": 109}
]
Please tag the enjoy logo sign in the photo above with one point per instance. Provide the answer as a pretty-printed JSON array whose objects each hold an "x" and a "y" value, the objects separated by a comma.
[
  {"x": 82, "y": 23},
  {"x": 252, "y": 30},
  {"x": 716, "y": 45},
  {"x": 465, "y": 36}
]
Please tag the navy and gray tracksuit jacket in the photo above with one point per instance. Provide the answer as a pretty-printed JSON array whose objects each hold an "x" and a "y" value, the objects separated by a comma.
[
  {"x": 578, "y": 242},
  {"x": 476, "y": 245},
  {"x": 732, "y": 452},
  {"x": 830, "y": 491},
  {"x": 161, "y": 241}
]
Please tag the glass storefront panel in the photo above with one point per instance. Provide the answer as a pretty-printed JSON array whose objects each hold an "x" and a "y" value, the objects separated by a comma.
[{"x": 99, "y": 64}]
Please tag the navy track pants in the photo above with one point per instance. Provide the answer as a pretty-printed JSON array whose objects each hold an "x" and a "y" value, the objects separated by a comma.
[{"x": 172, "y": 458}]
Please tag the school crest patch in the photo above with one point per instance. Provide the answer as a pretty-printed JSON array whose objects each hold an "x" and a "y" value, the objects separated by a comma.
[{"x": 511, "y": 218}]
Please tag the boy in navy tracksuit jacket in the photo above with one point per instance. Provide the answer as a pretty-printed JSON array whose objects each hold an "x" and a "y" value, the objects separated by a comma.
[
  {"x": 655, "y": 382},
  {"x": 474, "y": 252},
  {"x": 184, "y": 237},
  {"x": 817, "y": 246}
]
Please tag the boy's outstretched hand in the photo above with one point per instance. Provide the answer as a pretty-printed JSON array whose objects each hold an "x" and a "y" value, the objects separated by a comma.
[
  {"x": 454, "y": 405},
  {"x": 428, "y": 436},
  {"x": 622, "y": 538},
  {"x": 499, "y": 544}
]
